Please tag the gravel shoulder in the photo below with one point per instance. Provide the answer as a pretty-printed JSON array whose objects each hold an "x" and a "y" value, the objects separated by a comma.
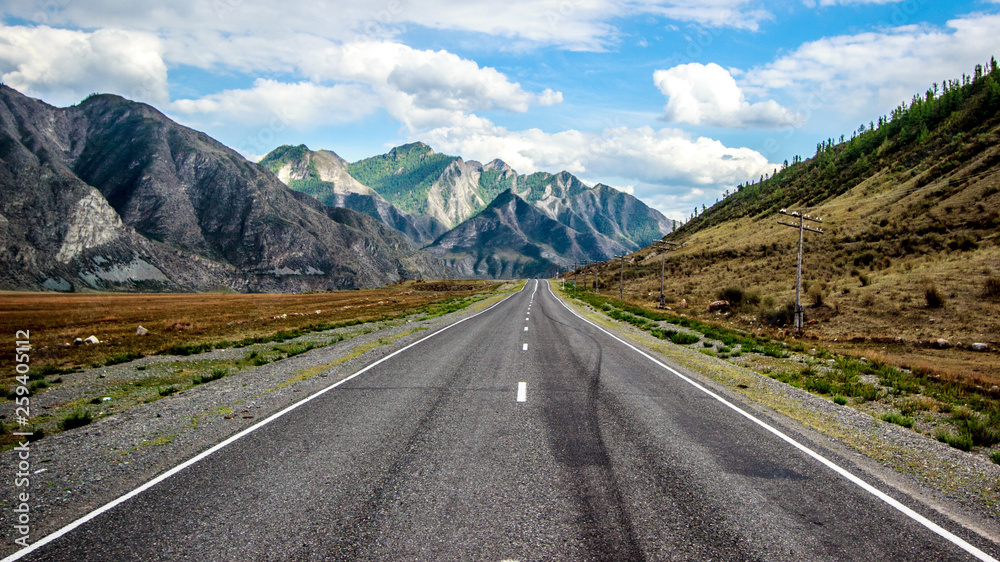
[{"x": 76, "y": 471}]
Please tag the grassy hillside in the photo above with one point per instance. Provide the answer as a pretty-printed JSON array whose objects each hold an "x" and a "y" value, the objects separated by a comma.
[
  {"x": 404, "y": 175},
  {"x": 911, "y": 254},
  {"x": 493, "y": 183},
  {"x": 310, "y": 184}
]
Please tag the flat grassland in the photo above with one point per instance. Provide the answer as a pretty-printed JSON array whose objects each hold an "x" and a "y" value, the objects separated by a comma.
[{"x": 183, "y": 323}]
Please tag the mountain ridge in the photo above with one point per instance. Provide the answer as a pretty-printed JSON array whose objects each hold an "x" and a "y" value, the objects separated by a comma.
[
  {"x": 111, "y": 194},
  {"x": 450, "y": 191}
]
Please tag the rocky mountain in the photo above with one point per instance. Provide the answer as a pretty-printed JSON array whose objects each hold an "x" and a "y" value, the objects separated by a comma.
[
  {"x": 512, "y": 238},
  {"x": 324, "y": 175},
  {"x": 448, "y": 191},
  {"x": 112, "y": 195}
]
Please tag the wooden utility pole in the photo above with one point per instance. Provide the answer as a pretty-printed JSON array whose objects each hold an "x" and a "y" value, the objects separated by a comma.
[
  {"x": 597, "y": 279},
  {"x": 621, "y": 281},
  {"x": 663, "y": 257},
  {"x": 799, "y": 324}
]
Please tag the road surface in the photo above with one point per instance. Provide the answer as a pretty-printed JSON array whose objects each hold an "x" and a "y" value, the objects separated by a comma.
[{"x": 521, "y": 433}]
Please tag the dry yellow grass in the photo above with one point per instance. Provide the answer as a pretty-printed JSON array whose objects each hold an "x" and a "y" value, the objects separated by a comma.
[
  {"x": 869, "y": 298},
  {"x": 54, "y": 320}
]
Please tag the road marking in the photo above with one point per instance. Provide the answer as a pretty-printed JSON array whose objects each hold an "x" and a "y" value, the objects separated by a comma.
[
  {"x": 522, "y": 392},
  {"x": 525, "y": 319},
  {"x": 525, "y": 328},
  {"x": 940, "y": 531},
  {"x": 525, "y": 348},
  {"x": 122, "y": 499}
]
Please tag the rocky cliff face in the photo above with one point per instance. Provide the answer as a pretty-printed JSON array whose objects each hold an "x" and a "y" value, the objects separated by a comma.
[
  {"x": 110, "y": 194},
  {"x": 605, "y": 210},
  {"x": 324, "y": 175},
  {"x": 456, "y": 194},
  {"x": 511, "y": 238}
]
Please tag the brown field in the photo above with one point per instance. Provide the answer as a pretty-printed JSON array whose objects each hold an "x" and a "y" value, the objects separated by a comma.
[{"x": 55, "y": 320}]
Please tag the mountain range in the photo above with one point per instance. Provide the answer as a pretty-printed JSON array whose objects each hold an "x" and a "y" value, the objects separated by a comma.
[
  {"x": 444, "y": 204},
  {"x": 111, "y": 194}
]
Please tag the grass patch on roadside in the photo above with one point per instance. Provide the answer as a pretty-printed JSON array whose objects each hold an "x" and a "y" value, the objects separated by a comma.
[
  {"x": 898, "y": 419},
  {"x": 358, "y": 351},
  {"x": 76, "y": 418},
  {"x": 967, "y": 417}
]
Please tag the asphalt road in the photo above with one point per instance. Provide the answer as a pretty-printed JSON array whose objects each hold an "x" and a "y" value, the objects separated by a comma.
[{"x": 432, "y": 455}]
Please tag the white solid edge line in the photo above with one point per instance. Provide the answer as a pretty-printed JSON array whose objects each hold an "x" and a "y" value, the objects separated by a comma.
[
  {"x": 522, "y": 392},
  {"x": 122, "y": 499},
  {"x": 944, "y": 533}
]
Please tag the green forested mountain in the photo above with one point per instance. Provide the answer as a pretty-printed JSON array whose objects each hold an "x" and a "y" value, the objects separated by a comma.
[
  {"x": 947, "y": 128},
  {"x": 404, "y": 175},
  {"x": 325, "y": 176}
]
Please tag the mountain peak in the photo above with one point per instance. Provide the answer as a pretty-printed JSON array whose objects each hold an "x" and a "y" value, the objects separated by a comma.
[{"x": 410, "y": 150}]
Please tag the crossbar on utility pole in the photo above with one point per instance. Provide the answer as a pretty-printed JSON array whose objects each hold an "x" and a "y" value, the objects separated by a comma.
[
  {"x": 799, "y": 312},
  {"x": 663, "y": 259}
]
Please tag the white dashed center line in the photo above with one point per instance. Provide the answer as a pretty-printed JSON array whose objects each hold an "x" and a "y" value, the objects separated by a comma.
[
  {"x": 525, "y": 348},
  {"x": 522, "y": 392},
  {"x": 525, "y": 328}
]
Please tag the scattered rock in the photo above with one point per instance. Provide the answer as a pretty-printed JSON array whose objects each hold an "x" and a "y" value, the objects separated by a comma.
[
  {"x": 942, "y": 343},
  {"x": 979, "y": 347},
  {"x": 92, "y": 340},
  {"x": 683, "y": 304},
  {"x": 995, "y": 389},
  {"x": 140, "y": 331},
  {"x": 78, "y": 341},
  {"x": 718, "y": 306}
]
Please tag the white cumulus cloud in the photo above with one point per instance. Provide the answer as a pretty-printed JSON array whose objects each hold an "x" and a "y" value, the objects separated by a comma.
[
  {"x": 196, "y": 29},
  {"x": 865, "y": 74},
  {"x": 64, "y": 66},
  {"x": 422, "y": 89},
  {"x": 665, "y": 157},
  {"x": 699, "y": 93},
  {"x": 269, "y": 102}
]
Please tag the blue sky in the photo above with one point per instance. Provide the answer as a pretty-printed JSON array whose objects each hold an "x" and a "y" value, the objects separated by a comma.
[{"x": 675, "y": 101}]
